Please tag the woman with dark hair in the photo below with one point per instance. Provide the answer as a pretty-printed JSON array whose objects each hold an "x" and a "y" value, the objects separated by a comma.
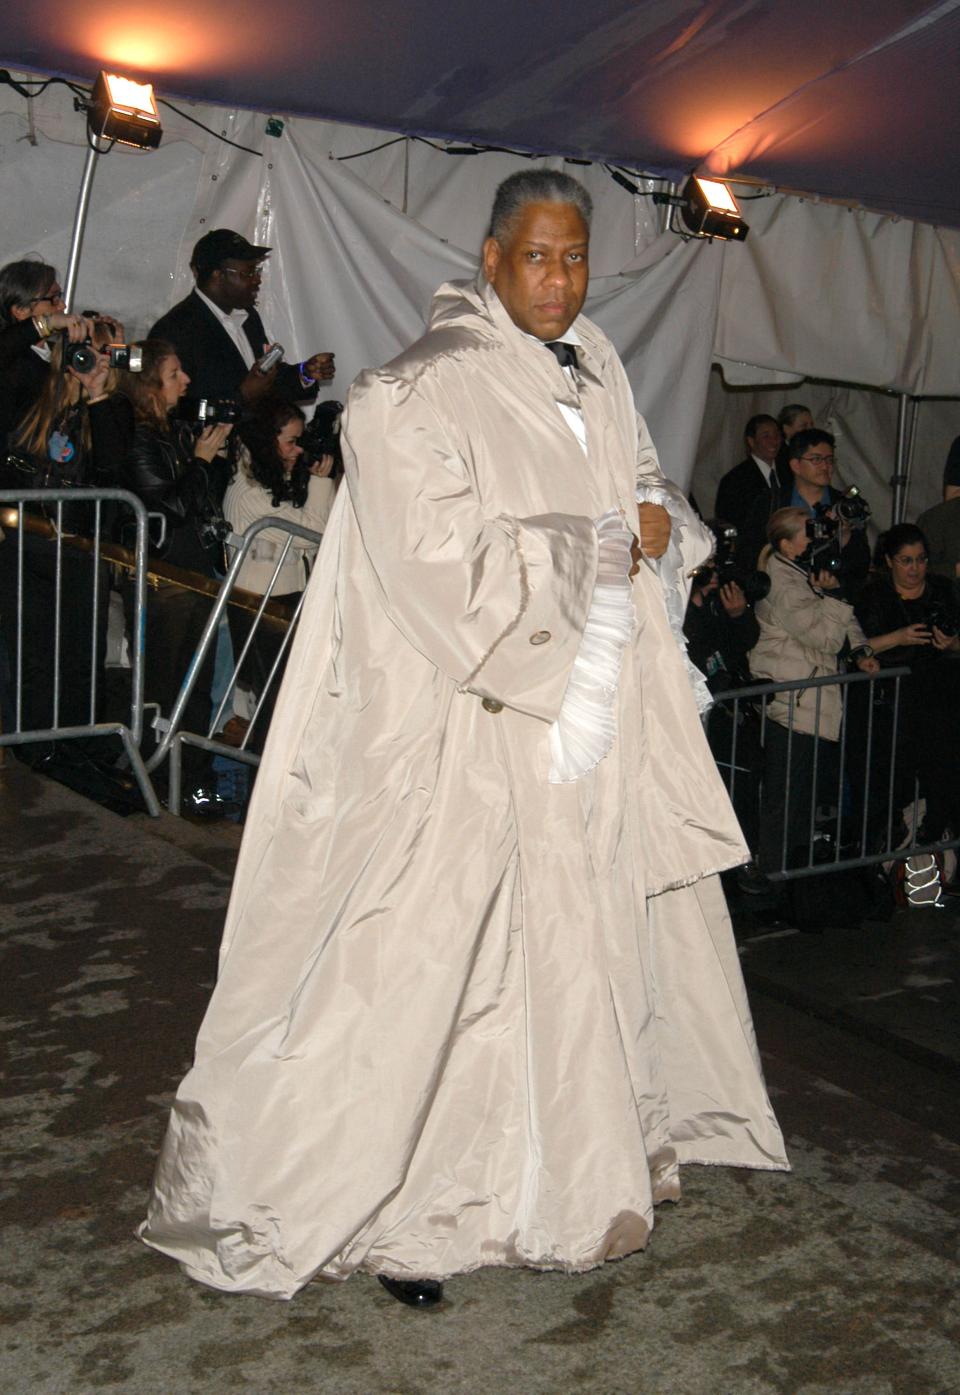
[
  {"x": 909, "y": 617},
  {"x": 274, "y": 479},
  {"x": 31, "y": 310},
  {"x": 168, "y": 468}
]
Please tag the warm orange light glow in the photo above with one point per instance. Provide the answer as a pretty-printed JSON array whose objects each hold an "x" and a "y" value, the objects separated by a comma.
[
  {"x": 131, "y": 96},
  {"x": 717, "y": 195}
]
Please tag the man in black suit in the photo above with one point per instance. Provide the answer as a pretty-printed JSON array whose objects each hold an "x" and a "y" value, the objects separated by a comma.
[
  {"x": 754, "y": 478},
  {"x": 219, "y": 335}
]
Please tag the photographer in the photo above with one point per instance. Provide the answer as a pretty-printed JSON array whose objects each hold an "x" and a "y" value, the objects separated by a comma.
[
  {"x": 69, "y": 437},
  {"x": 810, "y": 457},
  {"x": 910, "y": 617},
  {"x": 720, "y": 629},
  {"x": 31, "y": 310},
  {"x": 274, "y": 478},
  {"x": 803, "y": 628},
  {"x": 168, "y": 468}
]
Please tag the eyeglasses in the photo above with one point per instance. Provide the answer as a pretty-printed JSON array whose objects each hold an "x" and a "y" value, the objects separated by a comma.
[
  {"x": 818, "y": 459},
  {"x": 54, "y": 293},
  {"x": 920, "y": 561},
  {"x": 254, "y": 275}
]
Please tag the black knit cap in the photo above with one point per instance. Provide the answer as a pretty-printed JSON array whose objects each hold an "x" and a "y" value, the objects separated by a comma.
[{"x": 220, "y": 246}]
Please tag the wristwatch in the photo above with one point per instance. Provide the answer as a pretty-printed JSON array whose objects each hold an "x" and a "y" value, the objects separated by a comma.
[{"x": 862, "y": 651}]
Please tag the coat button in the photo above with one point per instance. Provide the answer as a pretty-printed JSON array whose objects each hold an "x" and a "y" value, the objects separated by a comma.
[
  {"x": 540, "y": 637},
  {"x": 491, "y": 705}
]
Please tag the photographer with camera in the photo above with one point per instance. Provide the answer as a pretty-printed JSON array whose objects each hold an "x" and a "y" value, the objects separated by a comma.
[
  {"x": 720, "y": 629},
  {"x": 220, "y": 338},
  {"x": 804, "y": 625},
  {"x": 168, "y": 467},
  {"x": 910, "y": 617},
  {"x": 276, "y": 477},
  {"x": 31, "y": 311},
  {"x": 840, "y": 516}
]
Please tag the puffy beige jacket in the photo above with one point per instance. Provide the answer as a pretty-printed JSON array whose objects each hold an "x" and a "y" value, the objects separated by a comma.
[
  {"x": 246, "y": 501},
  {"x": 802, "y": 630}
]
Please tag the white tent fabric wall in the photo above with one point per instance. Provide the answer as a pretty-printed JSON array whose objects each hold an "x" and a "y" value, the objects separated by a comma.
[{"x": 816, "y": 290}]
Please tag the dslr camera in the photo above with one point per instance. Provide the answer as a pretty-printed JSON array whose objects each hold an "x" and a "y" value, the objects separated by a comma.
[
  {"x": 83, "y": 357},
  {"x": 755, "y": 585},
  {"x": 321, "y": 435},
  {"x": 942, "y": 615},
  {"x": 824, "y": 542}
]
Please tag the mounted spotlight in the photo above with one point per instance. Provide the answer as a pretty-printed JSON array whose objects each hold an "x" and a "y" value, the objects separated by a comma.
[
  {"x": 125, "y": 111},
  {"x": 708, "y": 209},
  {"x": 119, "y": 110}
]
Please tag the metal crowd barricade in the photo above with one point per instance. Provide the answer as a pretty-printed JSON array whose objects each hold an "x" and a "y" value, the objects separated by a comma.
[
  {"x": 263, "y": 611},
  {"x": 864, "y": 845},
  {"x": 17, "y": 523}
]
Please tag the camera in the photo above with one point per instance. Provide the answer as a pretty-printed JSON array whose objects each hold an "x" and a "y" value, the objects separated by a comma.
[
  {"x": 943, "y": 616},
  {"x": 755, "y": 585},
  {"x": 272, "y": 356},
  {"x": 852, "y": 508},
  {"x": 823, "y": 545},
  {"x": 82, "y": 357},
  {"x": 207, "y": 411},
  {"x": 212, "y": 530},
  {"x": 321, "y": 435}
]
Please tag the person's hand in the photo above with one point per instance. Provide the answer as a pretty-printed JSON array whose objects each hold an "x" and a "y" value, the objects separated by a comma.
[
  {"x": 76, "y": 327},
  {"x": 94, "y": 383},
  {"x": 322, "y": 467},
  {"x": 211, "y": 440},
  {"x": 733, "y": 600},
  {"x": 654, "y": 529},
  {"x": 945, "y": 642},
  {"x": 871, "y": 665},
  {"x": 319, "y": 367},
  {"x": 827, "y": 581},
  {"x": 257, "y": 385},
  {"x": 913, "y": 634}
]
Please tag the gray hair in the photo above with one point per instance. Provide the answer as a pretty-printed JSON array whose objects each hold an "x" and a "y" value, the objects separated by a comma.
[{"x": 535, "y": 186}]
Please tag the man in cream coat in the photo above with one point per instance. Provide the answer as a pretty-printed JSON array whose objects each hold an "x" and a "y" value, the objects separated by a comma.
[{"x": 478, "y": 995}]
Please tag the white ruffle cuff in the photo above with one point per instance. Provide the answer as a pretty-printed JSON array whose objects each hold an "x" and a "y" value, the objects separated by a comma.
[{"x": 587, "y": 722}]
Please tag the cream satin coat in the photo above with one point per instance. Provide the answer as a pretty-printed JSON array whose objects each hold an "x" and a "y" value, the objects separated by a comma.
[{"x": 465, "y": 1016}]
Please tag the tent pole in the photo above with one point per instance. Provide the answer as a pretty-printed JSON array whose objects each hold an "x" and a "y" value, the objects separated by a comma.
[
  {"x": 901, "y": 476},
  {"x": 79, "y": 223}
]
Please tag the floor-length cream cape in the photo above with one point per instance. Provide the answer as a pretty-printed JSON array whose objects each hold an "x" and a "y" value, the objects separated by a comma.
[{"x": 466, "y": 1016}]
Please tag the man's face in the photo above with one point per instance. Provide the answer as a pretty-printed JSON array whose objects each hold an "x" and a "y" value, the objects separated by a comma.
[
  {"x": 237, "y": 284},
  {"x": 815, "y": 466},
  {"x": 766, "y": 442},
  {"x": 541, "y": 269}
]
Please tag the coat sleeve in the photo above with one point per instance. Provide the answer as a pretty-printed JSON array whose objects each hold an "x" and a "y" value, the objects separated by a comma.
[
  {"x": 495, "y": 602},
  {"x": 816, "y": 621}
]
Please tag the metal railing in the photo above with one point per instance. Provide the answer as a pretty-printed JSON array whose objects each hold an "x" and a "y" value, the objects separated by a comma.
[
  {"x": 265, "y": 613},
  {"x": 30, "y": 536},
  {"x": 864, "y": 819}
]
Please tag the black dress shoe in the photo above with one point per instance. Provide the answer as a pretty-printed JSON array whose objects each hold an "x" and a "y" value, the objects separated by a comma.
[{"x": 416, "y": 1293}]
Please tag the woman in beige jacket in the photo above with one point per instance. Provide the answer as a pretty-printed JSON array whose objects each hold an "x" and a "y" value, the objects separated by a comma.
[{"x": 803, "y": 629}]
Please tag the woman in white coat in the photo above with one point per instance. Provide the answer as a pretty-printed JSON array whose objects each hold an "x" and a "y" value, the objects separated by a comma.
[{"x": 274, "y": 479}]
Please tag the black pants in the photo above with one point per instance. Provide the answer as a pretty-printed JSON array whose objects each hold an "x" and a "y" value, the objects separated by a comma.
[
  {"x": 174, "y": 623},
  {"x": 259, "y": 661},
  {"x": 79, "y": 686},
  {"x": 788, "y": 793}
]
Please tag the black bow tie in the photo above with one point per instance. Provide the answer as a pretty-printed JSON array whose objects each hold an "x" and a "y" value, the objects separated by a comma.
[{"x": 565, "y": 354}]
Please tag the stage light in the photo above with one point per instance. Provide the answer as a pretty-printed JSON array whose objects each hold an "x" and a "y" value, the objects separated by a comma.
[
  {"x": 708, "y": 209},
  {"x": 125, "y": 111}
]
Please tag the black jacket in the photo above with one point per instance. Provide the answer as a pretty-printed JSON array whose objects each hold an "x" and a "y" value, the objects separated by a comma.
[
  {"x": 739, "y": 491},
  {"x": 22, "y": 375},
  {"x": 162, "y": 471},
  {"x": 212, "y": 360}
]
